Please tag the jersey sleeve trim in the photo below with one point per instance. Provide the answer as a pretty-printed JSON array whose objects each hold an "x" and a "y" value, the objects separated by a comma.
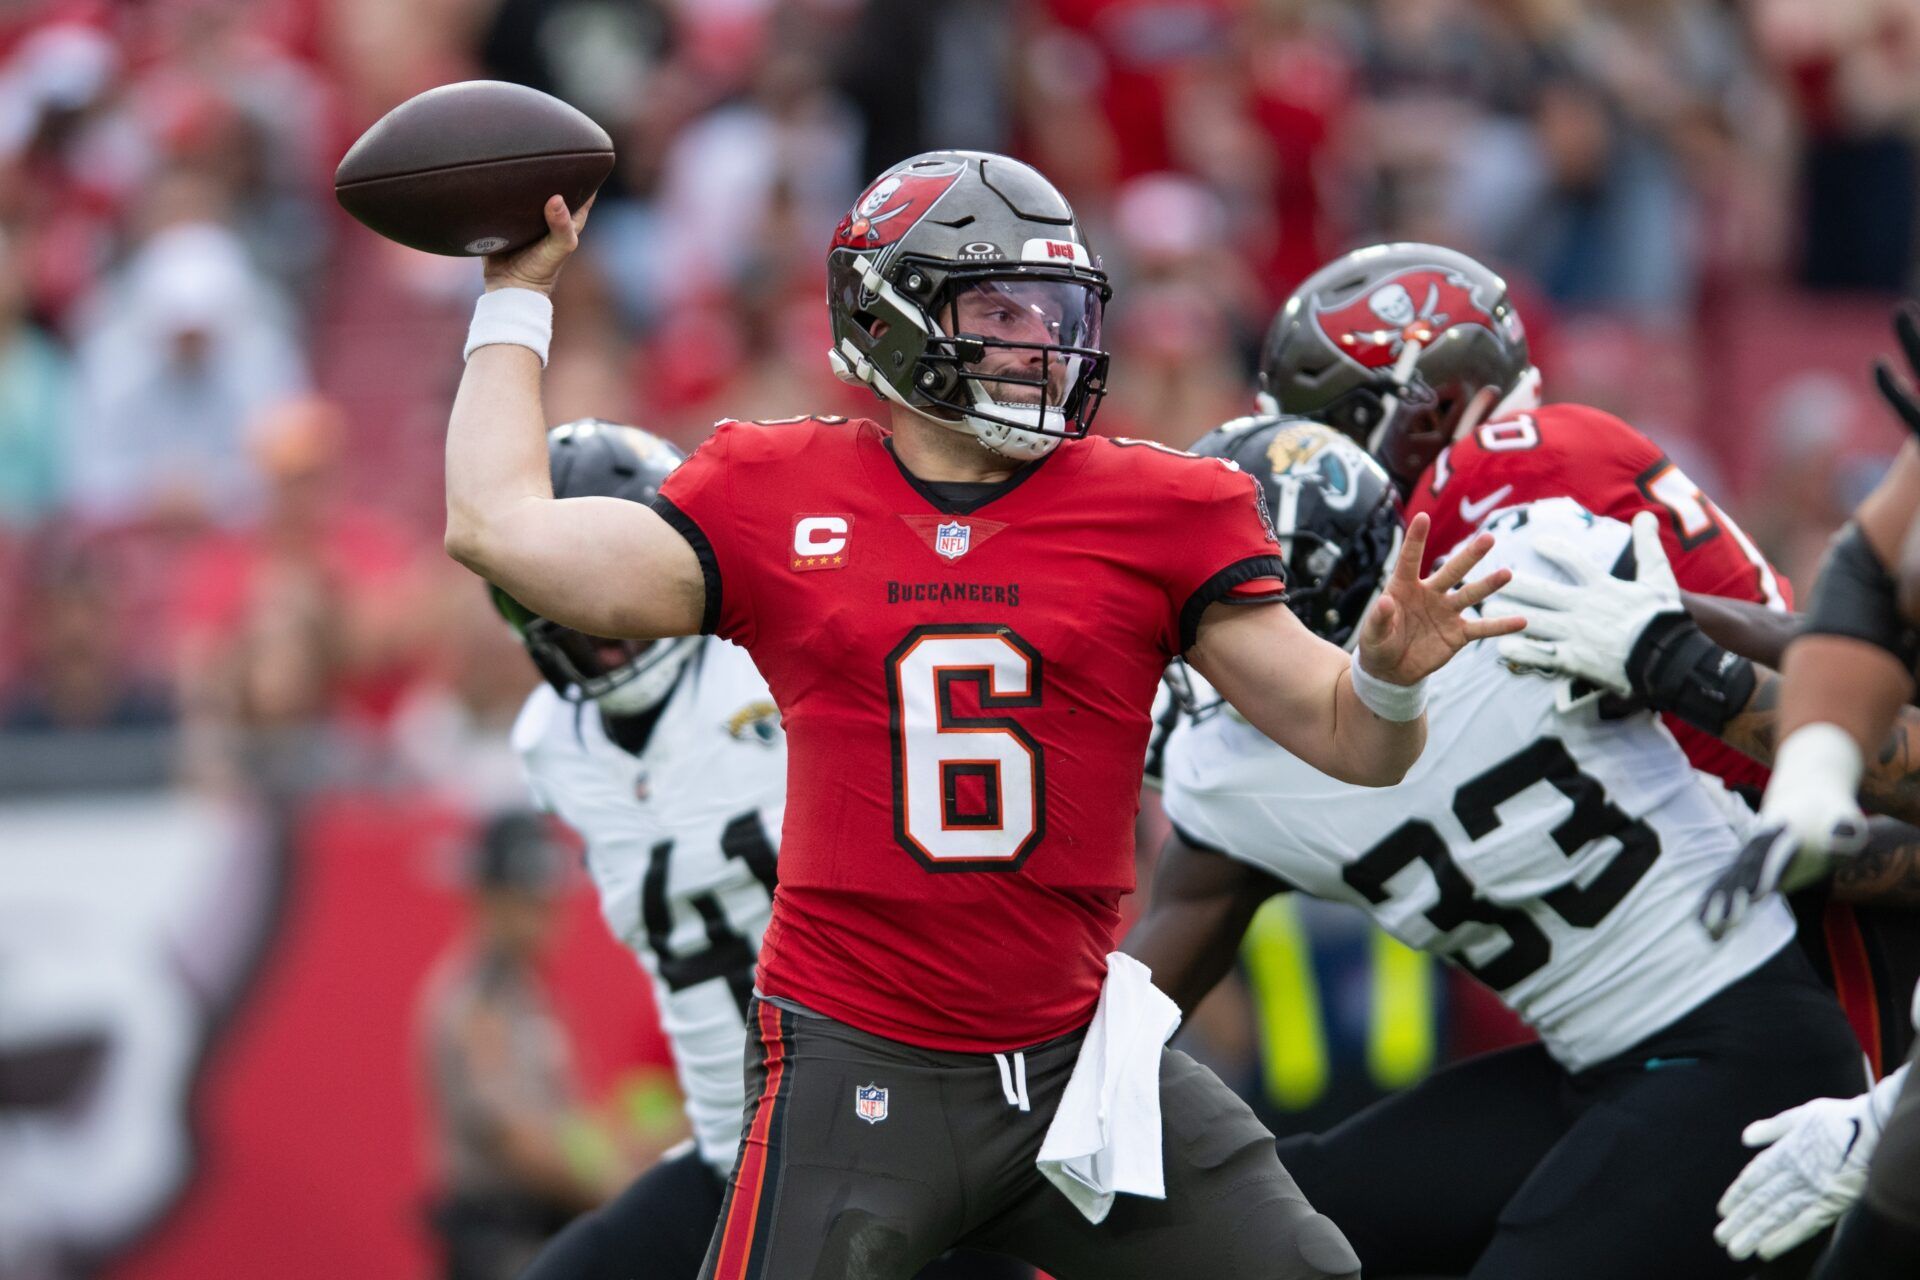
[
  {"x": 684, "y": 525},
  {"x": 1255, "y": 580}
]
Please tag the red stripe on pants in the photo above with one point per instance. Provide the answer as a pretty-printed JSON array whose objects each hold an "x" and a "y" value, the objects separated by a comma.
[
  {"x": 1853, "y": 978},
  {"x": 736, "y": 1241}
]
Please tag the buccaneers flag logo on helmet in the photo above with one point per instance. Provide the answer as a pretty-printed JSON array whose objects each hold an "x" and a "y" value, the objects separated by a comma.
[
  {"x": 1414, "y": 305},
  {"x": 890, "y": 208}
]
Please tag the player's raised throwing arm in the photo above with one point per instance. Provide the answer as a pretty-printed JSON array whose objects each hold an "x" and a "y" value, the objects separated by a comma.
[
  {"x": 1358, "y": 718},
  {"x": 599, "y": 565}
]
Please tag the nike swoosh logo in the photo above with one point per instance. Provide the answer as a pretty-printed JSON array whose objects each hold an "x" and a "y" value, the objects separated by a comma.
[
  {"x": 1475, "y": 512},
  {"x": 1853, "y": 1138}
]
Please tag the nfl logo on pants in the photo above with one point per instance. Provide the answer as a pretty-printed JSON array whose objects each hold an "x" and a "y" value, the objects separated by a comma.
[
  {"x": 870, "y": 1103},
  {"x": 951, "y": 540}
]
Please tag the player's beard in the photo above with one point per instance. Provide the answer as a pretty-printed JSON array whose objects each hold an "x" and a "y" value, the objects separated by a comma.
[
  {"x": 1014, "y": 419},
  {"x": 1005, "y": 391}
]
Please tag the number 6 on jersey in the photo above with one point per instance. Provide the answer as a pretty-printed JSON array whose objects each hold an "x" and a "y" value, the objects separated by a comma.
[{"x": 967, "y": 788}]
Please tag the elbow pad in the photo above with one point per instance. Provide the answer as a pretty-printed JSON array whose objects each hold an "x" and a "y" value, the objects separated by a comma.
[
  {"x": 1676, "y": 668},
  {"x": 1856, "y": 597}
]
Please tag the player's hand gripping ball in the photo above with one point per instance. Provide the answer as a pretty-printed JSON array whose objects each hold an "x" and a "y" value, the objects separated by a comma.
[
  {"x": 470, "y": 169},
  {"x": 1417, "y": 623}
]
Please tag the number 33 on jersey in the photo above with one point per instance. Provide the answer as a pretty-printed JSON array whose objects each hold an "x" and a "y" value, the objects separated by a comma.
[
  {"x": 1556, "y": 857},
  {"x": 965, "y": 688}
]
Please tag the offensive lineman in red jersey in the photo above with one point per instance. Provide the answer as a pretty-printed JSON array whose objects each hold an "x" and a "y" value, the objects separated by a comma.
[
  {"x": 963, "y": 621},
  {"x": 1416, "y": 352}
]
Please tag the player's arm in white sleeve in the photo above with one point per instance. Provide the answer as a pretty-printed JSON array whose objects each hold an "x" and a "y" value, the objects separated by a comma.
[
  {"x": 1358, "y": 717},
  {"x": 599, "y": 565}
]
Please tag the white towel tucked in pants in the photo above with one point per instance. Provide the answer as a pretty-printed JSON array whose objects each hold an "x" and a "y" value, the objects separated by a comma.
[{"x": 1105, "y": 1136}]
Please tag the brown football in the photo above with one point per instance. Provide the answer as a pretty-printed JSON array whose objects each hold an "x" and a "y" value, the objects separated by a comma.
[{"x": 465, "y": 169}]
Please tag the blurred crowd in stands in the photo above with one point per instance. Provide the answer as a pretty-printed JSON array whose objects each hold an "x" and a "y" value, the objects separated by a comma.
[{"x": 221, "y": 401}]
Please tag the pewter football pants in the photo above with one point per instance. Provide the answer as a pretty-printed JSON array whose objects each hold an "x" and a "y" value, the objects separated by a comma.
[
  {"x": 658, "y": 1228},
  {"x": 863, "y": 1158}
]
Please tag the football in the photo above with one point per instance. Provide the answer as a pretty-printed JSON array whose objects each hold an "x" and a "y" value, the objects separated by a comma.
[{"x": 466, "y": 169}]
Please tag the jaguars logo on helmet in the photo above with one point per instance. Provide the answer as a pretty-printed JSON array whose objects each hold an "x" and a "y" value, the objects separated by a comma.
[{"x": 1334, "y": 513}]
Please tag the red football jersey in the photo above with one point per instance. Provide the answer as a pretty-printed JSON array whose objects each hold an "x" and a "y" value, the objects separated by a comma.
[
  {"x": 965, "y": 689},
  {"x": 1570, "y": 451}
]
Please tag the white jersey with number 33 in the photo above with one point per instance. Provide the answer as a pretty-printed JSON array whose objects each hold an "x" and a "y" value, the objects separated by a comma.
[
  {"x": 1557, "y": 856},
  {"x": 681, "y": 844}
]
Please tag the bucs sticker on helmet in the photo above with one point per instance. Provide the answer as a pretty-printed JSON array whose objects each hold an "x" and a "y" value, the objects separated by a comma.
[
  {"x": 1065, "y": 252},
  {"x": 891, "y": 207},
  {"x": 1416, "y": 305}
]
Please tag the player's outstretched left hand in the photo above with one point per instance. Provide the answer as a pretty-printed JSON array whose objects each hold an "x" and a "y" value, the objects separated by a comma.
[
  {"x": 1418, "y": 623},
  {"x": 1778, "y": 858}
]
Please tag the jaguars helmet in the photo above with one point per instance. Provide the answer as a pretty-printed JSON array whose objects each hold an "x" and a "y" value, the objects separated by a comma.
[
  {"x": 1334, "y": 511},
  {"x": 1336, "y": 516},
  {"x": 961, "y": 288},
  {"x": 1391, "y": 344},
  {"x": 593, "y": 458}
]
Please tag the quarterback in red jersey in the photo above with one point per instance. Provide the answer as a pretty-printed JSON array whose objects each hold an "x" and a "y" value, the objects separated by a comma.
[
  {"x": 963, "y": 616},
  {"x": 1416, "y": 351},
  {"x": 872, "y": 610}
]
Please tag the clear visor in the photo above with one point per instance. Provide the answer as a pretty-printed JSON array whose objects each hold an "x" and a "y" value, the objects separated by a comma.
[{"x": 1037, "y": 336}]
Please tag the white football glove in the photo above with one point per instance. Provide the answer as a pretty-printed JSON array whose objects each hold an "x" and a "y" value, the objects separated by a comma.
[
  {"x": 1814, "y": 1167},
  {"x": 1587, "y": 630},
  {"x": 1809, "y": 816}
]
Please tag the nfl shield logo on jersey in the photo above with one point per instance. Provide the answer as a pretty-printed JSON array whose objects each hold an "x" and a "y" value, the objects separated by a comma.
[
  {"x": 952, "y": 540},
  {"x": 870, "y": 1103}
]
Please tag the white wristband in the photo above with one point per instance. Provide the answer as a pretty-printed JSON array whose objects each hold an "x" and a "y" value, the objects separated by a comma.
[
  {"x": 1389, "y": 701},
  {"x": 513, "y": 317}
]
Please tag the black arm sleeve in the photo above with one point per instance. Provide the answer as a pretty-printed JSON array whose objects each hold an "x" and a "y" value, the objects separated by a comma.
[
  {"x": 1676, "y": 668},
  {"x": 1856, "y": 597}
]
